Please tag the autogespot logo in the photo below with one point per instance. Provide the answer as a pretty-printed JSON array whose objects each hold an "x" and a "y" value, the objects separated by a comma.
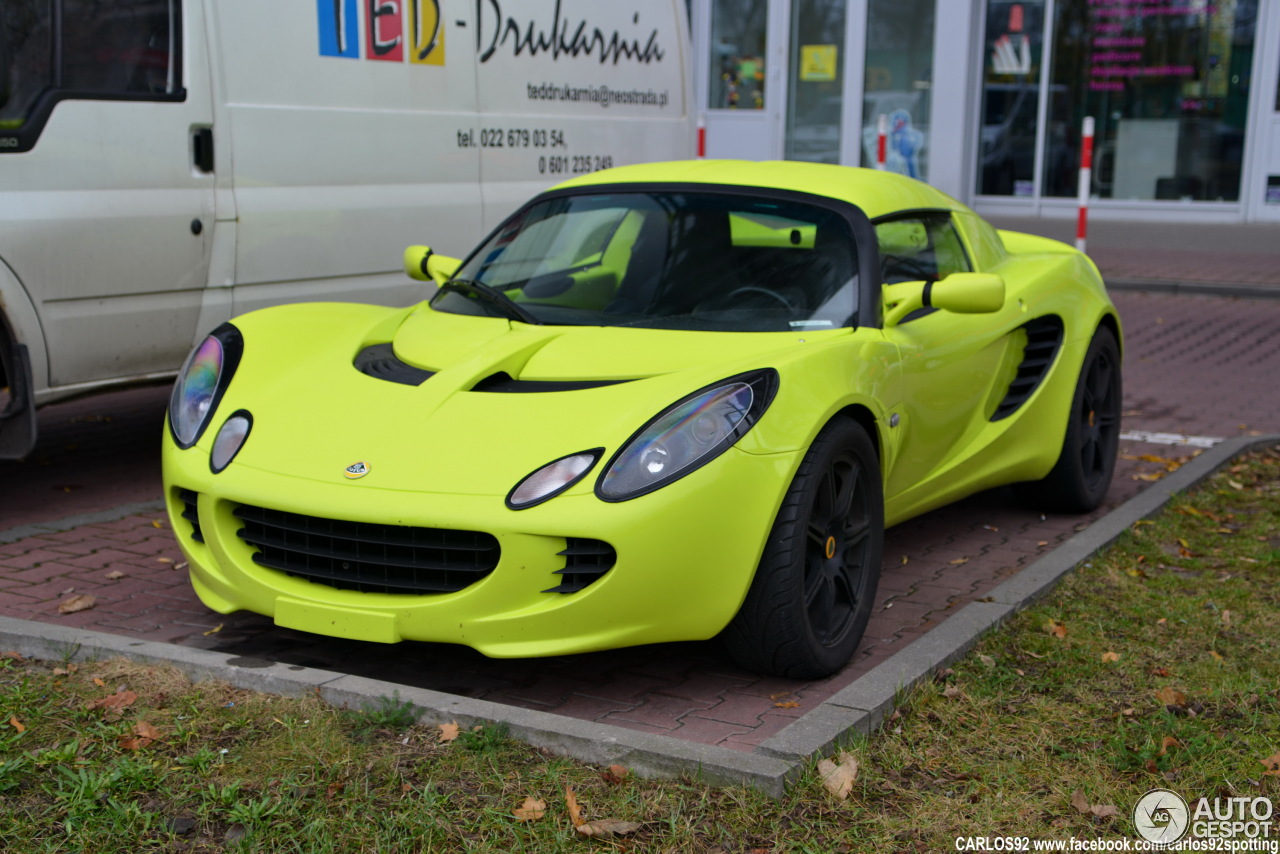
[{"x": 1161, "y": 816}]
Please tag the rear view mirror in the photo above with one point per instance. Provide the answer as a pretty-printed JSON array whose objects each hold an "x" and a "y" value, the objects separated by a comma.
[{"x": 422, "y": 264}]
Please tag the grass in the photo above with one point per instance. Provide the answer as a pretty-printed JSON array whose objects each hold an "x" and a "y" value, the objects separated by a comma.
[{"x": 1155, "y": 664}]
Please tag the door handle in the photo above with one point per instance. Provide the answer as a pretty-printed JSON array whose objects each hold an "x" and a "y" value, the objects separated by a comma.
[{"x": 202, "y": 149}]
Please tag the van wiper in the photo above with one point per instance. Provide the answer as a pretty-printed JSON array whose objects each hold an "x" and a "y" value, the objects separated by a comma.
[{"x": 510, "y": 309}]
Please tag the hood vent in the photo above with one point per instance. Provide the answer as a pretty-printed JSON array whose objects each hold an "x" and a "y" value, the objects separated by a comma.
[
  {"x": 504, "y": 383},
  {"x": 380, "y": 362}
]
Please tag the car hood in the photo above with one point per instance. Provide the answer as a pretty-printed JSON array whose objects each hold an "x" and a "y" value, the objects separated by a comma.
[{"x": 558, "y": 390}]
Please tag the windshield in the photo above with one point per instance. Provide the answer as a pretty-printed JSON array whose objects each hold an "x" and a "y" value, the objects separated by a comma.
[{"x": 666, "y": 260}]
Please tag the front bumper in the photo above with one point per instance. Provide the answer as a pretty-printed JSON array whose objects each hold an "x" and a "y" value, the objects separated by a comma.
[{"x": 686, "y": 555}]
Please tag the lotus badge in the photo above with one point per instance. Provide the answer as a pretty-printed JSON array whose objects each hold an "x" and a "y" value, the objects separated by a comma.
[{"x": 356, "y": 470}]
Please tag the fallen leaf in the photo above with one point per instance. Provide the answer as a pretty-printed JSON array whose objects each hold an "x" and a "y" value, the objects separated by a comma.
[
  {"x": 1110, "y": 657},
  {"x": 1235, "y": 484},
  {"x": 1150, "y": 765},
  {"x": 1167, "y": 742},
  {"x": 1128, "y": 712},
  {"x": 839, "y": 779},
  {"x": 1104, "y": 810},
  {"x": 335, "y": 788},
  {"x": 235, "y": 833},
  {"x": 15, "y": 656},
  {"x": 1215, "y": 655},
  {"x": 951, "y": 692},
  {"x": 1273, "y": 765},
  {"x": 1079, "y": 801},
  {"x": 182, "y": 565},
  {"x": 98, "y": 681},
  {"x": 1057, "y": 629},
  {"x": 575, "y": 811},
  {"x": 614, "y": 774},
  {"x": 1226, "y": 618},
  {"x": 1170, "y": 697},
  {"x": 1163, "y": 621},
  {"x": 17, "y": 724},
  {"x": 114, "y": 703},
  {"x": 83, "y": 602},
  {"x": 987, "y": 660},
  {"x": 607, "y": 827},
  {"x": 904, "y": 560},
  {"x": 1019, "y": 672},
  {"x": 115, "y": 575},
  {"x": 531, "y": 810},
  {"x": 164, "y": 560},
  {"x": 788, "y": 705},
  {"x": 448, "y": 732},
  {"x": 143, "y": 735},
  {"x": 213, "y": 630},
  {"x": 958, "y": 561},
  {"x": 1159, "y": 671},
  {"x": 156, "y": 523},
  {"x": 1149, "y": 477}
]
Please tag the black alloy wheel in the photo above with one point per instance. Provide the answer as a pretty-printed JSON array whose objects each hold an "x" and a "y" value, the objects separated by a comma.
[{"x": 811, "y": 597}]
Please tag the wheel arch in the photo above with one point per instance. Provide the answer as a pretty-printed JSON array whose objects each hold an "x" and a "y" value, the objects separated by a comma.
[
  {"x": 20, "y": 324},
  {"x": 1110, "y": 321},
  {"x": 866, "y": 419}
]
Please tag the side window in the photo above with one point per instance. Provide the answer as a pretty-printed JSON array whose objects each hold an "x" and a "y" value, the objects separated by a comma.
[
  {"x": 920, "y": 247},
  {"x": 99, "y": 49}
]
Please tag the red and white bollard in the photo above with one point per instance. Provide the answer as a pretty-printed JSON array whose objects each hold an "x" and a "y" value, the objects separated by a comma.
[
  {"x": 702, "y": 136},
  {"x": 882, "y": 128},
  {"x": 1086, "y": 178}
]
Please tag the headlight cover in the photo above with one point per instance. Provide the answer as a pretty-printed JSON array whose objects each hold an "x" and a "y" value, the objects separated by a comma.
[
  {"x": 202, "y": 382},
  {"x": 552, "y": 479},
  {"x": 230, "y": 439},
  {"x": 687, "y": 435}
]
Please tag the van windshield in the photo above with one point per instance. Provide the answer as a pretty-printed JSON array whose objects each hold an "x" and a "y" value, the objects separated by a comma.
[{"x": 666, "y": 260}]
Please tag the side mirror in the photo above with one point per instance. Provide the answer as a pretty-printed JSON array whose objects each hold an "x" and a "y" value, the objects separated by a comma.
[
  {"x": 422, "y": 264},
  {"x": 969, "y": 293},
  {"x": 960, "y": 293}
]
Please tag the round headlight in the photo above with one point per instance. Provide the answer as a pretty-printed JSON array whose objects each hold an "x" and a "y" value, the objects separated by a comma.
[
  {"x": 552, "y": 479},
  {"x": 689, "y": 434},
  {"x": 230, "y": 440},
  {"x": 201, "y": 383}
]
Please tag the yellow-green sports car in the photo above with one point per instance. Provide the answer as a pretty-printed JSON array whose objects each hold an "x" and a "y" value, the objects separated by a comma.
[{"x": 660, "y": 402}]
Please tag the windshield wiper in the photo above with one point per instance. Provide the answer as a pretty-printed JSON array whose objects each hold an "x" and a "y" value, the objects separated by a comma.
[{"x": 510, "y": 309}]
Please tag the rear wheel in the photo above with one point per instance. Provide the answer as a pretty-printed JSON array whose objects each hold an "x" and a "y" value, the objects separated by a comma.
[
  {"x": 811, "y": 598},
  {"x": 1082, "y": 475}
]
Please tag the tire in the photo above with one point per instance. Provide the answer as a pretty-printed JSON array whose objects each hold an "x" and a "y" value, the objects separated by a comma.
[
  {"x": 812, "y": 594},
  {"x": 1079, "y": 480}
]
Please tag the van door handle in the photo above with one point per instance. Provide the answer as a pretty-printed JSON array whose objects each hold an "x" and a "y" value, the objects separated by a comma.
[{"x": 202, "y": 149}]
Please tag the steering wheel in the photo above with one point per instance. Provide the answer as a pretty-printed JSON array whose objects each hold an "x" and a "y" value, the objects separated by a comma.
[{"x": 753, "y": 289}]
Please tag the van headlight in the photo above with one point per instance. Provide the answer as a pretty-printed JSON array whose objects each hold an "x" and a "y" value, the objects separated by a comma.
[
  {"x": 202, "y": 382},
  {"x": 687, "y": 435}
]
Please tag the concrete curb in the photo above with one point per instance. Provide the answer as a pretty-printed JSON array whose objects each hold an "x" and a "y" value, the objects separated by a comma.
[
  {"x": 111, "y": 514},
  {"x": 1244, "y": 290},
  {"x": 860, "y": 707},
  {"x": 857, "y": 709}
]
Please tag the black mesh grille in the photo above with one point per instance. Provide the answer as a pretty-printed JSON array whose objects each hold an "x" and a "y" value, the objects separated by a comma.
[
  {"x": 370, "y": 558},
  {"x": 1044, "y": 335},
  {"x": 585, "y": 561},
  {"x": 188, "y": 499}
]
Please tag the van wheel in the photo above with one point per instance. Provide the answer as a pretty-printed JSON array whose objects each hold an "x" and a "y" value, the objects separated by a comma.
[{"x": 809, "y": 603}]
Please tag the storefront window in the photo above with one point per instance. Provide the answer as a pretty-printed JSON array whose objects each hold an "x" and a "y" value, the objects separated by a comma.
[
  {"x": 1167, "y": 82},
  {"x": 737, "y": 54},
  {"x": 899, "y": 79},
  {"x": 1011, "y": 97},
  {"x": 817, "y": 80}
]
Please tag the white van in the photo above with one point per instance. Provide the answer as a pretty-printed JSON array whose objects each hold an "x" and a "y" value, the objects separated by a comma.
[{"x": 168, "y": 164}]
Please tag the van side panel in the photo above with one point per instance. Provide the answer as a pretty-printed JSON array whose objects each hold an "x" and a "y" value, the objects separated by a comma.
[
  {"x": 341, "y": 159},
  {"x": 601, "y": 85}
]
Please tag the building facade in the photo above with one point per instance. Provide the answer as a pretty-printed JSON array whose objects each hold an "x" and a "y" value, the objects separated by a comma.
[{"x": 985, "y": 99}]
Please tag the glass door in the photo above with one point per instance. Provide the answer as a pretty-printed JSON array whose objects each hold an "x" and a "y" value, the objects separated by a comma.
[
  {"x": 745, "y": 79},
  {"x": 816, "y": 81}
]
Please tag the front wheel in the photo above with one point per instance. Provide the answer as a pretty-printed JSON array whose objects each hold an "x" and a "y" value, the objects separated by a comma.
[
  {"x": 812, "y": 594},
  {"x": 1082, "y": 475}
]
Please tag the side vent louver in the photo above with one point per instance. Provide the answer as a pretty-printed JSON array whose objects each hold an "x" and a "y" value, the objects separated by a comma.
[
  {"x": 189, "y": 498},
  {"x": 585, "y": 561},
  {"x": 1044, "y": 337}
]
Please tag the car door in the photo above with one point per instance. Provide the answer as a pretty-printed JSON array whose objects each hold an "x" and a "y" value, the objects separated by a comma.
[
  {"x": 107, "y": 209},
  {"x": 955, "y": 367}
]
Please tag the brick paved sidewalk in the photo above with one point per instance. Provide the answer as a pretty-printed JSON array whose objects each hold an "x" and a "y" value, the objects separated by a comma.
[{"x": 1193, "y": 365}]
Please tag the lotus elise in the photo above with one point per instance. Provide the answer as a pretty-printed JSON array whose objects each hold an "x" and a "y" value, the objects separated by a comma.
[{"x": 660, "y": 402}]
